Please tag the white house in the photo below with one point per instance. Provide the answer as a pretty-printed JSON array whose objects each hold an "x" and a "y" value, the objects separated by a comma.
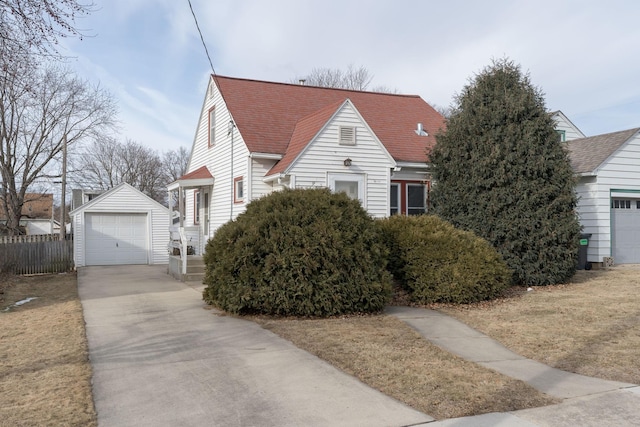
[
  {"x": 120, "y": 226},
  {"x": 565, "y": 128},
  {"x": 608, "y": 168},
  {"x": 254, "y": 137},
  {"x": 41, "y": 226}
]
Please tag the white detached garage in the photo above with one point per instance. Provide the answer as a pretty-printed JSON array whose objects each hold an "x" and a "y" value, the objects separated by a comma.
[
  {"x": 608, "y": 169},
  {"x": 121, "y": 226}
]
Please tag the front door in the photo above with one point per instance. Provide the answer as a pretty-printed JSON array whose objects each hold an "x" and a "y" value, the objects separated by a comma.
[{"x": 350, "y": 184}]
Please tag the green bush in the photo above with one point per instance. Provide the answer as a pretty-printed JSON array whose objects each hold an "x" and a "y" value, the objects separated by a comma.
[
  {"x": 300, "y": 253},
  {"x": 436, "y": 262}
]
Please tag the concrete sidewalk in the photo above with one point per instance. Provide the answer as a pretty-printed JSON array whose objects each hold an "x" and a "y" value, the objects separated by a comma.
[
  {"x": 589, "y": 401},
  {"x": 160, "y": 357}
]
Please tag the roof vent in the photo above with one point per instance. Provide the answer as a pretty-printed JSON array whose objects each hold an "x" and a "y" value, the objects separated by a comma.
[
  {"x": 302, "y": 81},
  {"x": 420, "y": 130}
]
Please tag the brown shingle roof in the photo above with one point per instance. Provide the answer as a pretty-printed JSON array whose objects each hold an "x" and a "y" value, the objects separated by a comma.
[
  {"x": 587, "y": 154},
  {"x": 267, "y": 114},
  {"x": 36, "y": 205},
  {"x": 201, "y": 172},
  {"x": 305, "y": 129}
]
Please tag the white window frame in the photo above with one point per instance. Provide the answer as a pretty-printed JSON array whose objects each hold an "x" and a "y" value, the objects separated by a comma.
[
  {"x": 196, "y": 206},
  {"x": 238, "y": 189},
  {"x": 398, "y": 199},
  {"x": 212, "y": 126},
  {"x": 424, "y": 197},
  {"x": 349, "y": 177}
]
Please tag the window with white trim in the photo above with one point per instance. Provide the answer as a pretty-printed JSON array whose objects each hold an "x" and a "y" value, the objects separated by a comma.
[
  {"x": 394, "y": 201},
  {"x": 196, "y": 207},
  {"x": 416, "y": 199},
  {"x": 350, "y": 188},
  {"x": 350, "y": 184},
  {"x": 212, "y": 127},
  {"x": 238, "y": 189},
  {"x": 347, "y": 135}
]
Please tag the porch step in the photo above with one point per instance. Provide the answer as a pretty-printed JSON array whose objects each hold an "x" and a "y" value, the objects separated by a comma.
[{"x": 195, "y": 269}]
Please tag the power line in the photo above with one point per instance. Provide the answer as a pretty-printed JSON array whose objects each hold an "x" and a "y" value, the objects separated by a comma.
[{"x": 201, "y": 38}]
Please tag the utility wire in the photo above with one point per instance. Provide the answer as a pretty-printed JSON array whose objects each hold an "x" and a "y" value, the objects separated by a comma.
[{"x": 201, "y": 38}]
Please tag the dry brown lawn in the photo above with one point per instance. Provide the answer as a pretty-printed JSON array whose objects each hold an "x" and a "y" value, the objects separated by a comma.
[
  {"x": 45, "y": 376},
  {"x": 590, "y": 326},
  {"x": 388, "y": 355}
]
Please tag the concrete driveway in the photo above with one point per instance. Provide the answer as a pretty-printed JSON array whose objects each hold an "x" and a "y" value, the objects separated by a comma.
[{"x": 161, "y": 357}]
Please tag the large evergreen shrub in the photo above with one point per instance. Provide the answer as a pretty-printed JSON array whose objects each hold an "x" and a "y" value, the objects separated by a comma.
[
  {"x": 298, "y": 252},
  {"x": 436, "y": 262},
  {"x": 500, "y": 171}
]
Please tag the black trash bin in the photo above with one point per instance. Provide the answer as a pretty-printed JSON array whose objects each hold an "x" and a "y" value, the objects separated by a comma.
[{"x": 583, "y": 264}]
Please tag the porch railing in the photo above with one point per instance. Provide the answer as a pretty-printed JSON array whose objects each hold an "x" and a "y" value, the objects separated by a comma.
[{"x": 187, "y": 242}]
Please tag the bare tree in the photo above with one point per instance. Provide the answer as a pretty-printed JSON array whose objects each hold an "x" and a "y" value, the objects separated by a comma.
[
  {"x": 445, "y": 111},
  {"x": 353, "y": 78},
  {"x": 39, "y": 111},
  {"x": 30, "y": 27},
  {"x": 175, "y": 163},
  {"x": 107, "y": 162}
]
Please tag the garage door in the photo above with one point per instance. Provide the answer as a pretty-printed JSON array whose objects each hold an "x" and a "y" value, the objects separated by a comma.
[
  {"x": 113, "y": 239},
  {"x": 625, "y": 214}
]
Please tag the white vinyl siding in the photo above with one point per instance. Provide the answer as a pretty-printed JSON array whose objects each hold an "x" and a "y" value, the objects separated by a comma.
[
  {"x": 323, "y": 157},
  {"x": 257, "y": 186},
  {"x": 564, "y": 125},
  {"x": 125, "y": 200},
  {"x": 621, "y": 172},
  {"x": 218, "y": 160}
]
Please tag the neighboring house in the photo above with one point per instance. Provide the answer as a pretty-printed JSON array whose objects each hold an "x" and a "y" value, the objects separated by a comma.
[
  {"x": 42, "y": 226},
  {"x": 565, "y": 128},
  {"x": 37, "y": 212},
  {"x": 81, "y": 196},
  {"x": 120, "y": 226},
  {"x": 608, "y": 169},
  {"x": 255, "y": 137}
]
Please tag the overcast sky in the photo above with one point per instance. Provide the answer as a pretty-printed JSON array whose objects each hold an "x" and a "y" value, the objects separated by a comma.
[{"x": 584, "y": 55}]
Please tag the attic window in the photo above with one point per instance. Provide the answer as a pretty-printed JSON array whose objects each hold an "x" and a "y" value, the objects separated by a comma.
[
  {"x": 212, "y": 126},
  {"x": 347, "y": 135},
  {"x": 563, "y": 135}
]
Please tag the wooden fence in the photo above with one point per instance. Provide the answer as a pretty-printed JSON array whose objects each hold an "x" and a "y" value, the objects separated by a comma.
[{"x": 34, "y": 255}]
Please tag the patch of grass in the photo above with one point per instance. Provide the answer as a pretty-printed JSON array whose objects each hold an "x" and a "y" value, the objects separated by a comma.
[
  {"x": 388, "y": 355},
  {"x": 590, "y": 326},
  {"x": 45, "y": 375}
]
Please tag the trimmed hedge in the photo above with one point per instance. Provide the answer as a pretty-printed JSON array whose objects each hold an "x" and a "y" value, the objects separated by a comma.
[
  {"x": 436, "y": 262},
  {"x": 298, "y": 253}
]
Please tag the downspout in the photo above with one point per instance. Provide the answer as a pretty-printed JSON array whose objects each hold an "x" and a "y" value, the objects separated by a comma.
[{"x": 231, "y": 126}]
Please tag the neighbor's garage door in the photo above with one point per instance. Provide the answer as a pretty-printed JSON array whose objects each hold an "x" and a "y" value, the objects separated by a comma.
[
  {"x": 113, "y": 239},
  {"x": 625, "y": 215}
]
